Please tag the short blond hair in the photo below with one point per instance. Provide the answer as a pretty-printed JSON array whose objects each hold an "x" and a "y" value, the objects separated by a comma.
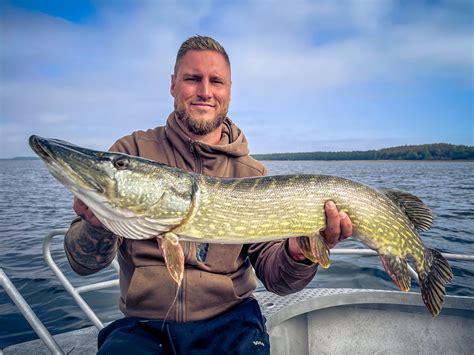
[{"x": 199, "y": 43}]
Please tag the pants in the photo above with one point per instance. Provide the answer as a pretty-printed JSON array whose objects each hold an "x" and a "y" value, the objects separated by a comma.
[{"x": 240, "y": 330}]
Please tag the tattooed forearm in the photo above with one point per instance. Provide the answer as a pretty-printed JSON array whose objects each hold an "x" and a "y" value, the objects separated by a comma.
[{"x": 92, "y": 247}]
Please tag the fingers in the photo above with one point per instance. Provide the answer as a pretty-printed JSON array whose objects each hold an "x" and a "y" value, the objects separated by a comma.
[
  {"x": 346, "y": 226},
  {"x": 333, "y": 224},
  {"x": 79, "y": 206},
  {"x": 338, "y": 225},
  {"x": 338, "y": 228},
  {"x": 85, "y": 213}
]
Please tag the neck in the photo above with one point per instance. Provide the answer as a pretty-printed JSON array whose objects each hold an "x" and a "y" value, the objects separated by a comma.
[{"x": 211, "y": 138}]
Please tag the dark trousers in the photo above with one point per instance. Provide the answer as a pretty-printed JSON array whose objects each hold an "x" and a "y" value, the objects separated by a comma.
[{"x": 241, "y": 330}]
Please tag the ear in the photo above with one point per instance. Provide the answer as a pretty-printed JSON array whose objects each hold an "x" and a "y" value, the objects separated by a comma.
[{"x": 173, "y": 84}]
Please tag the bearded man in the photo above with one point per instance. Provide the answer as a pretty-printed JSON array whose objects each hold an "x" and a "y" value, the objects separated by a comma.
[{"x": 213, "y": 310}]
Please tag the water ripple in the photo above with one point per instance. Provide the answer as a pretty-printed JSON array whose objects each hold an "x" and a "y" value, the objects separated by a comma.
[{"x": 32, "y": 203}]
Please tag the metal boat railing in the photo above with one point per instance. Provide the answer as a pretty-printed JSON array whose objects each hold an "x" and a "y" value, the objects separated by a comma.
[
  {"x": 28, "y": 313},
  {"x": 75, "y": 292}
]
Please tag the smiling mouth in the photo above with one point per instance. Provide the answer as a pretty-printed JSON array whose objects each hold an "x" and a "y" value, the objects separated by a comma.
[{"x": 199, "y": 104}]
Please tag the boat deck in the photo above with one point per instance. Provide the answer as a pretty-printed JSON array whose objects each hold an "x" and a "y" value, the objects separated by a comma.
[{"x": 335, "y": 321}]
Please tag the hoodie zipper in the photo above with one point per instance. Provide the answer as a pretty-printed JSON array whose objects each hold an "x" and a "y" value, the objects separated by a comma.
[
  {"x": 197, "y": 158},
  {"x": 187, "y": 246}
]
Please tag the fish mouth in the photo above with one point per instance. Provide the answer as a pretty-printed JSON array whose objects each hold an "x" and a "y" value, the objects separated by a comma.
[
  {"x": 66, "y": 162},
  {"x": 39, "y": 147}
]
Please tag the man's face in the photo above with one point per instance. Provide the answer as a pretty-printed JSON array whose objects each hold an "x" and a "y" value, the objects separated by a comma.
[{"x": 201, "y": 90}]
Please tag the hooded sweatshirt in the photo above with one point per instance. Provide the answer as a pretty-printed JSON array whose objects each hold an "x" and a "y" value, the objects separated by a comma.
[{"x": 217, "y": 276}]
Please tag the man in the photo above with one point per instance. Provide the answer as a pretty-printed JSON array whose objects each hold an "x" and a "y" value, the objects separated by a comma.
[{"x": 213, "y": 310}]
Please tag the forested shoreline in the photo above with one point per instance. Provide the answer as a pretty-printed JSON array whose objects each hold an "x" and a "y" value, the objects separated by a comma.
[{"x": 439, "y": 151}]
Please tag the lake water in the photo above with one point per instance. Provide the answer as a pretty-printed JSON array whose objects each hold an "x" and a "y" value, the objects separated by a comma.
[{"x": 32, "y": 203}]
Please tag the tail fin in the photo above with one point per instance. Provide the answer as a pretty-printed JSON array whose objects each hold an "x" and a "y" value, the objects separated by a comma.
[{"x": 433, "y": 280}]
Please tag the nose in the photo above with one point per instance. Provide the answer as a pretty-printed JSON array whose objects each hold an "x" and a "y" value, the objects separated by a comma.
[{"x": 204, "y": 90}]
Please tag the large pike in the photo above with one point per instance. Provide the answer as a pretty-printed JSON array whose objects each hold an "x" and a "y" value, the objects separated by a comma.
[{"x": 141, "y": 199}]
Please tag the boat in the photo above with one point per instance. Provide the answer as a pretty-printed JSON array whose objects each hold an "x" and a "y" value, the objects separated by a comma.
[{"x": 312, "y": 321}]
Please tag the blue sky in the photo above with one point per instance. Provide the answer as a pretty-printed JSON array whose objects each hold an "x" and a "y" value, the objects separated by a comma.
[{"x": 307, "y": 75}]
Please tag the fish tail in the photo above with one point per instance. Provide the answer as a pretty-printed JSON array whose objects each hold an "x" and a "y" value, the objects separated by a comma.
[
  {"x": 433, "y": 279},
  {"x": 315, "y": 249}
]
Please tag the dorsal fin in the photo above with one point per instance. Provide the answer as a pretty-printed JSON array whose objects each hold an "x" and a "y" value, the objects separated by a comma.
[{"x": 420, "y": 214}]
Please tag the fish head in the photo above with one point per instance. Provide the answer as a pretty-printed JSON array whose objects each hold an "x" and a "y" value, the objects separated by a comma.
[{"x": 106, "y": 182}]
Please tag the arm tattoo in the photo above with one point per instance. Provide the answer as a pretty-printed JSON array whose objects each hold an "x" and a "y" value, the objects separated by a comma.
[{"x": 92, "y": 247}]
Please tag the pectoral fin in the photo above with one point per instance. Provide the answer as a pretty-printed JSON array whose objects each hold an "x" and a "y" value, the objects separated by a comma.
[
  {"x": 174, "y": 256},
  {"x": 315, "y": 249}
]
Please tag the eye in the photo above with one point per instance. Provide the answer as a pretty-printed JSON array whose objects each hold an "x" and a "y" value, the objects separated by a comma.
[
  {"x": 121, "y": 163},
  {"x": 192, "y": 78},
  {"x": 217, "y": 81}
]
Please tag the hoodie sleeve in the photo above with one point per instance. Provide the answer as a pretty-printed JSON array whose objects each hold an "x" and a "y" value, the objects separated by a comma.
[{"x": 278, "y": 272}]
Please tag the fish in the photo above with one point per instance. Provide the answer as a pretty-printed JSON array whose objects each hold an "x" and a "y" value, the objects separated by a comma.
[{"x": 141, "y": 199}]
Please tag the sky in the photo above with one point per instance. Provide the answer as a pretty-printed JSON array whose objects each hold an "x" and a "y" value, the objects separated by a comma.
[{"x": 321, "y": 75}]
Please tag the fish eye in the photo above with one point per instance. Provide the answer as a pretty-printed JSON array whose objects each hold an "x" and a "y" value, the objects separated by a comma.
[{"x": 121, "y": 163}]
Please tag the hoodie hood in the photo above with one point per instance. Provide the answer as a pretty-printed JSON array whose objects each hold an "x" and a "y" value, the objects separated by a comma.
[
  {"x": 204, "y": 158},
  {"x": 233, "y": 141},
  {"x": 170, "y": 145}
]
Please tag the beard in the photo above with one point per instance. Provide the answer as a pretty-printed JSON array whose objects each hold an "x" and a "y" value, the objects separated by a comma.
[{"x": 199, "y": 127}]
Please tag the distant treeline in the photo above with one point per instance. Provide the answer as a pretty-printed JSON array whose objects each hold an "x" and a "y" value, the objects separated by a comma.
[
  {"x": 440, "y": 151},
  {"x": 26, "y": 158}
]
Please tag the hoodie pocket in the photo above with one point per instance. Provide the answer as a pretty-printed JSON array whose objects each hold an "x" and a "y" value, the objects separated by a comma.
[{"x": 150, "y": 292}]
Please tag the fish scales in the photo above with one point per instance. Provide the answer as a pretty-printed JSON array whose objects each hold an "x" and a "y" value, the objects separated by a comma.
[
  {"x": 288, "y": 206},
  {"x": 140, "y": 199}
]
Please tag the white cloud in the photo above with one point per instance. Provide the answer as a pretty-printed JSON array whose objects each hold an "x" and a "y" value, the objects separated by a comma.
[{"x": 109, "y": 76}]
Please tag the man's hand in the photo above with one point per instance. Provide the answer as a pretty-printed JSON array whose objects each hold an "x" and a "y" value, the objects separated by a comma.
[
  {"x": 85, "y": 213},
  {"x": 338, "y": 228}
]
